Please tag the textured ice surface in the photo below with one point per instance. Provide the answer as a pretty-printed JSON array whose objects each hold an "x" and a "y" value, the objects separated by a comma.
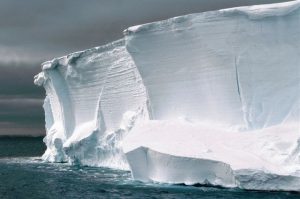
[
  {"x": 93, "y": 98},
  {"x": 209, "y": 98},
  {"x": 205, "y": 66}
]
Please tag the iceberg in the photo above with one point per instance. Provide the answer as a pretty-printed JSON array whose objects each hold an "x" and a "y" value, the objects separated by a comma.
[{"x": 209, "y": 98}]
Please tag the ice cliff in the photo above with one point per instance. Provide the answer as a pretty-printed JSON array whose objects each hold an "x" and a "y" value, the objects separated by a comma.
[
  {"x": 94, "y": 98},
  {"x": 209, "y": 98}
]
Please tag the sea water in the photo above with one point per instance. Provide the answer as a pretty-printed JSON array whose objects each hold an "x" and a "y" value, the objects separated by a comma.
[{"x": 24, "y": 175}]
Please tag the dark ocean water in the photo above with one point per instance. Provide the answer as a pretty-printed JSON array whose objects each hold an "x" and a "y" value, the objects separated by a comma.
[{"x": 25, "y": 176}]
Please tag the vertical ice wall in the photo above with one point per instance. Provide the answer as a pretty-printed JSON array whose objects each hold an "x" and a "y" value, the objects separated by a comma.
[
  {"x": 237, "y": 67},
  {"x": 94, "y": 97}
]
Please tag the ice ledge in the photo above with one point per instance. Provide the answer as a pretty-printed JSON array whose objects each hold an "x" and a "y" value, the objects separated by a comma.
[
  {"x": 183, "y": 152},
  {"x": 150, "y": 165}
]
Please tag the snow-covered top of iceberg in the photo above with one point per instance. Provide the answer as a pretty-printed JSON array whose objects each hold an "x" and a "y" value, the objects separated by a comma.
[
  {"x": 65, "y": 60},
  {"x": 267, "y": 10},
  {"x": 72, "y": 57},
  {"x": 254, "y": 12}
]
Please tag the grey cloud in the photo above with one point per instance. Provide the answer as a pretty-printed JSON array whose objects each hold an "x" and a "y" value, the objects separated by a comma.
[
  {"x": 21, "y": 110},
  {"x": 18, "y": 80},
  {"x": 20, "y": 100},
  {"x": 15, "y": 128}
]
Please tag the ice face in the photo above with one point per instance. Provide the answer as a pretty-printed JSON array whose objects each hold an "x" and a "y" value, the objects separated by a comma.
[
  {"x": 204, "y": 66},
  {"x": 217, "y": 91},
  {"x": 91, "y": 96}
]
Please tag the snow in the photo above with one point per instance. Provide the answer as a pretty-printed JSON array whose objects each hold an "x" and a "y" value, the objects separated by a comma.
[{"x": 209, "y": 98}]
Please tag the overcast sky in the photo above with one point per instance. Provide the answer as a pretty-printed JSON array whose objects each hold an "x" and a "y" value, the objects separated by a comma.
[{"x": 33, "y": 31}]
